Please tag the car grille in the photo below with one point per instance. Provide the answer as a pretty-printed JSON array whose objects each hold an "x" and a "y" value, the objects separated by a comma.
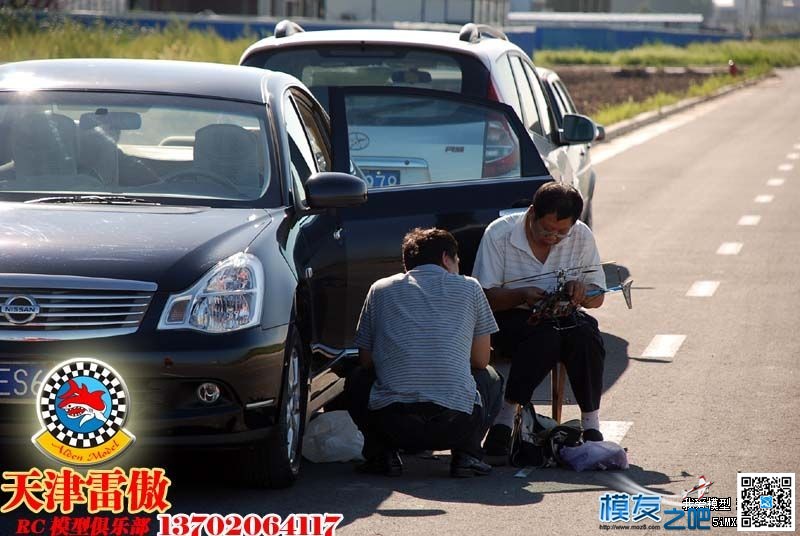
[{"x": 68, "y": 307}]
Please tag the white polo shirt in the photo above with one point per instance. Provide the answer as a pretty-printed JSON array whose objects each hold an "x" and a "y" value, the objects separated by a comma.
[{"x": 505, "y": 255}]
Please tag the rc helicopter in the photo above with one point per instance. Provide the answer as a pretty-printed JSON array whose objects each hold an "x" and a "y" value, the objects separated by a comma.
[{"x": 556, "y": 304}]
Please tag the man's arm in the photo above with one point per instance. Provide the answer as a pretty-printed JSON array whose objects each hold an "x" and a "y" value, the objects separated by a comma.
[
  {"x": 578, "y": 290},
  {"x": 503, "y": 299},
  {"x": 479, "y": 355},
  {"x": 595, "y": 301}
]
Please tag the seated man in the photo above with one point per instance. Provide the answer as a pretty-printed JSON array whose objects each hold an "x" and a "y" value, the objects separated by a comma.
[
  {"x": 424, "y": 380},
  {"x": 546, "y": 238}
]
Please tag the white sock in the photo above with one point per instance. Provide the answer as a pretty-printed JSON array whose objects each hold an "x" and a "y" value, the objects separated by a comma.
[
  {"x": 590, "y": 420},
  {"x": 507, "y": 413}
]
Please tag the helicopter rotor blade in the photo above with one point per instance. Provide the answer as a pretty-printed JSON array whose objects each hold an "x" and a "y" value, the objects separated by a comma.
[{"x": 553, "y": 273}]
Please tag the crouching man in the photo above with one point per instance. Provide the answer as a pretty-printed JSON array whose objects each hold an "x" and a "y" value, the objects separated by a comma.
[{"x": 424, "y": 380}]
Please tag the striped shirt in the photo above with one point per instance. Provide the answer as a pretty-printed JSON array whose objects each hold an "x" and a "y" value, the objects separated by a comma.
[
  {"x": 505, "y": 255},
  {"x": 419, "y": 327}
]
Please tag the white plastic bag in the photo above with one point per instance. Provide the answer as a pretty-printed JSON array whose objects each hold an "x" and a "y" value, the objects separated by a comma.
[
  {"x": 332, "y": 437},
  {"x": 595, "y": 455}
]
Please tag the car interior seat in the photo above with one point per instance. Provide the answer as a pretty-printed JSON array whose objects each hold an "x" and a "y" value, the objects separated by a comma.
[
  {"x": 232, "y": 152},
  {"x": 99, "y": 154},
  {"x": 44, "y": 145}
]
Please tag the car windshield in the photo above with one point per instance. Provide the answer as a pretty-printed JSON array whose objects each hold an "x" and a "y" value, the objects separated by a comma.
[
  {"x": 355, "y": 65},
  {"x": 128, "y": 144}
]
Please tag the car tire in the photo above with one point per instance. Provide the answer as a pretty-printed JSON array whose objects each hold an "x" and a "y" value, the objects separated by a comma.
[{"x": 275, "y": 462}]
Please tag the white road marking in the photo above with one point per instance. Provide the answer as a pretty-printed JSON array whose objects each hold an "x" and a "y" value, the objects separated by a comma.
[
  {"x": 614, "y": 431},
  {"x": 786, "y": 167},
  {"x": 776, "y": 182},
  {"x": 703, "y": 289},
  {"x": 793, "y": 156},
  {"x": 749, "y": 220},
  {"x": 729, "y": 248},
  {"x": 524, "y": 472},
  {"x": 766, "y": 198},
  {"x": 664, "y": 346}
]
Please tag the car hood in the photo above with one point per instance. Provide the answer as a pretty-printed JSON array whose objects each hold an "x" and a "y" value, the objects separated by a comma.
[{"x": 170, "y": 246}]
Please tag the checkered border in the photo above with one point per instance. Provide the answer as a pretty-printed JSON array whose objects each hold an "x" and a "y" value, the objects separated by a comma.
[{"x": 77, "y": 369}]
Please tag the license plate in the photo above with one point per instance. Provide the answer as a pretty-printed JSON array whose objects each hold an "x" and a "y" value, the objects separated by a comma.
[
  {"x": 382, "y": 178},
  {"x": 20, "y": 381}
]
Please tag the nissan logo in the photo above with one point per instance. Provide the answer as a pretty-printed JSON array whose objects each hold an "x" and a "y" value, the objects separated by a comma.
[
  {"x": 358, "y": 141},
  {"x": 20, "y": 309}
]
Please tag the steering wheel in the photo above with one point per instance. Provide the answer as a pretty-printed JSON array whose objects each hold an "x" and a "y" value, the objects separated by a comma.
[{"x": 193, "y": 174}]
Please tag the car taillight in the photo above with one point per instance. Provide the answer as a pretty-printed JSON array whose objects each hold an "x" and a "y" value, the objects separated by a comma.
[
  {"x": 491, "y": 94},
  {"x": 500, "y": 150}
]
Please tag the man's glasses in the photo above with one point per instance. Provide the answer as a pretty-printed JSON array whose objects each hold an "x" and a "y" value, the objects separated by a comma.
[{"x": 550, "y": 234}]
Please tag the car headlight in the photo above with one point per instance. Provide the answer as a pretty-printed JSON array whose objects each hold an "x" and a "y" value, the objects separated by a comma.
[{"x": 228, "y": 298}]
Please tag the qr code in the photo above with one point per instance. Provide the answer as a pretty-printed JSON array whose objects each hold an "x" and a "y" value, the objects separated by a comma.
[{"x": 766, "y": 502}]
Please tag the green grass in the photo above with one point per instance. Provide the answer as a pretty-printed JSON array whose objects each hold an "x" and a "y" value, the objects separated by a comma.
[
  {"x": 773, "y": 53},
  {"x": 23, "y": 40},
  {"x": 608, "y": 115}
]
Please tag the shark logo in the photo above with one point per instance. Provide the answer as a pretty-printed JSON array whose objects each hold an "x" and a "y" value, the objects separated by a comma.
[{"x": 81, "y": 404}]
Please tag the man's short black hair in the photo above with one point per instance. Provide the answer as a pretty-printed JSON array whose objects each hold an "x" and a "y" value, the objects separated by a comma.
[
  {"x": 425, "y": 246},
  {"x": 555, "y": 197}
]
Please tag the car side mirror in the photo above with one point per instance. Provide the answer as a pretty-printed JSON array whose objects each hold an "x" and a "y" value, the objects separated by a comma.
[
  {"x": 577, "y": 129},
  {"x": 335, "y": 190},
  {"x": 601, "y": 133}
]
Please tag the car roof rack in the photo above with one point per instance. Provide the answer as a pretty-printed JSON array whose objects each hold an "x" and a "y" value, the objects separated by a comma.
[
  {"x": 286, "y": 28},
  {"x": 473, "y": 33}
]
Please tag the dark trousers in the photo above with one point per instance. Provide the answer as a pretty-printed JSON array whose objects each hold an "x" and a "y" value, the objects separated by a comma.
[
  {"x": 535, "y": 350},
  {"x": 423, "y": 425}
]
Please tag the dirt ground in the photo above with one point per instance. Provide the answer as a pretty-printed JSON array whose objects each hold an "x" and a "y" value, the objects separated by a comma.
[{"x": 593, "y": 87}]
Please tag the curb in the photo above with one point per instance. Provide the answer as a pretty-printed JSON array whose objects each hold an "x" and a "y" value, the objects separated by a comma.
[{"x": 647, "y": 118}]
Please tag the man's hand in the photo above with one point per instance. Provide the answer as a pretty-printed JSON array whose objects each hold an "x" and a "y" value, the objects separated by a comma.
[
  {"x": 532, "y": 295},
  {"x": 576, "y": 291}
]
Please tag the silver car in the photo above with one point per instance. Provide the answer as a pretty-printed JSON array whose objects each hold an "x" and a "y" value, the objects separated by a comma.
[{"x": 478, "y": 61}]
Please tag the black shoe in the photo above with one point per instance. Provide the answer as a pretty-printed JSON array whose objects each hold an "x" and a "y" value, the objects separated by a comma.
[
  {"x": 389, "y": 464},
  {"x": 497, "y": 446},
  {"x": 591, "y": 434},
  {"x": 464, "y": 466}
]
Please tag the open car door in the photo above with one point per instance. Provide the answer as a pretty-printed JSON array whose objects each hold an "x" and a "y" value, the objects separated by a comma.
[{"x": 430, "y": 158}]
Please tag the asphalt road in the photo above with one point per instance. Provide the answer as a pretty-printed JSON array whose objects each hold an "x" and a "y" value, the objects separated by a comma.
[{"x": 721, "y": 397}]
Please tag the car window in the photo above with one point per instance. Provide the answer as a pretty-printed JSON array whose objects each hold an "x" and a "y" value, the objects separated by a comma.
[
  {"x": 505, "y": 84},
  {"x": 526, "y": 97},
  {"x": 541, "y": 101},
  {"x": 562, "y": 92},
  {"x": 301, "y": 156},
  {"x": 325, "y": 65},
  {"x": 142, "y": 144},
  {"x": 409, "y": 140},
  {"x": 315, "y": 128}
]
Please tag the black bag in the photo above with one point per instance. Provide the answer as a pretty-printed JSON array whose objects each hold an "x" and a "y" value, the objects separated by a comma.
[{"x": 534, "y": 445}]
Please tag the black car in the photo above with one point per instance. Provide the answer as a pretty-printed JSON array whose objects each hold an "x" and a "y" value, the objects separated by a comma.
[{"x": 196, "y": 227}]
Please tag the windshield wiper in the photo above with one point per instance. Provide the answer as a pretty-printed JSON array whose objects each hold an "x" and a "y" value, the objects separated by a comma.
[{"x": 97, "y": 199}]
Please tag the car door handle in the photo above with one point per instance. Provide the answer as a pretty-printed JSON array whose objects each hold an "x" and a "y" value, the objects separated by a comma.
[{"x": 337, "y": 234}]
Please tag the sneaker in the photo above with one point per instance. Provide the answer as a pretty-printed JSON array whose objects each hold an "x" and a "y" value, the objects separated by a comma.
[
  {"x": 464, "y": 466},
  {"x": 389, "y": 464},
  {"x": 591, "y": 434},
  {"x": 497, "y": 446}
]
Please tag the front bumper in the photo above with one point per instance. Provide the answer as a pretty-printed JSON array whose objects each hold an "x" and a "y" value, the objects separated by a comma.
[{"x": 162, "y": 371}]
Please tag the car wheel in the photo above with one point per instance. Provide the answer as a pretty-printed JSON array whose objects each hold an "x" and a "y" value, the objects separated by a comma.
[{"x": 275, "y": 463}]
